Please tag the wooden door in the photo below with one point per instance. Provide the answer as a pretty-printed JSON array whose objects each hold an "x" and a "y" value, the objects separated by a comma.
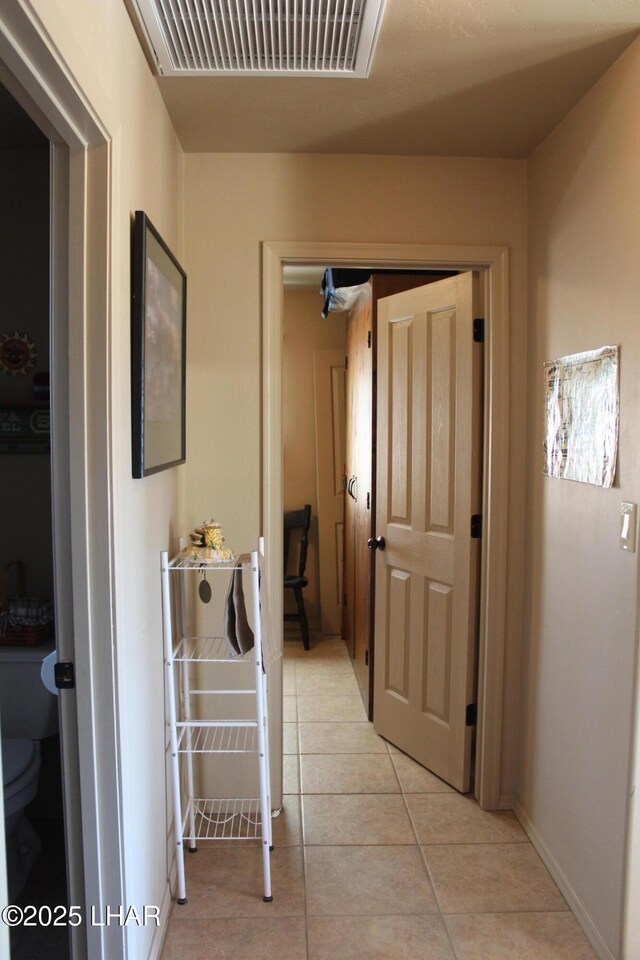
[
  {"x": 359, "y": 480},
  {"x": 360, "y": 497},
  {"x": 329, "y": 386},
  {"x": 429, "y": 426}
]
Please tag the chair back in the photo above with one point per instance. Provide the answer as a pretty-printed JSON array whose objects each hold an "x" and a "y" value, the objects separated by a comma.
[{"x": 297, "y": 520}]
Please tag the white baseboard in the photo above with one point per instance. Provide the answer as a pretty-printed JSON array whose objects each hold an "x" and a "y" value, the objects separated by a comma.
[
  {"x": 165, "y": 910},
  {"x": 160, "y": 931},
  {"x": 576, "y": 906}
]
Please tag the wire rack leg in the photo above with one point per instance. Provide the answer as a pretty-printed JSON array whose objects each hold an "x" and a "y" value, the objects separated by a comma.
[
  {"x": 171, "y": 698},
  {"x": 263, "y": 752},
  {"x": 267, "y": 759}
]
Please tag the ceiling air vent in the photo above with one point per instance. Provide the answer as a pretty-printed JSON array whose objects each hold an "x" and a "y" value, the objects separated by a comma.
[{"x": 329, "y": 38}]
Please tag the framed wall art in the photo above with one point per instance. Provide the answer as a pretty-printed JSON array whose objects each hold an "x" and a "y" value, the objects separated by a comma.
[{"x": 158, "y": 352}]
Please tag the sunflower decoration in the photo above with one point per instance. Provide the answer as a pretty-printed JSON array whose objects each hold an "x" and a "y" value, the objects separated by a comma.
[
  {"x": 207, "y": 543},
  {"x": 17, "y": 354}
]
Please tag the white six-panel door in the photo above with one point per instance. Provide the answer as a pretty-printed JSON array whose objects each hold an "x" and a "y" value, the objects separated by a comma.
[{"x": 429, "y": 487}]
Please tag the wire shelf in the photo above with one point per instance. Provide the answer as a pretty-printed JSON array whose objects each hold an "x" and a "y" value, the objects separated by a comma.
[
  {"x": 233, "y": 819},
  {"x": 238, "y": 733},
  {"x": 203, "y": 565},
  {"x": 205, "y": 650},
  {"x": 221, "y": 737}
]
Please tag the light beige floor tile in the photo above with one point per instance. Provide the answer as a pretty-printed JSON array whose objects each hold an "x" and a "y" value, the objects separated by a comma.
[
  {"x": 491, "y": 878},
  {"x": 332, "y": 709},
  {"x": 291, "y": 773},
  {"x": 348, "y": 773},
  {"x": 289, "y": 685},
  {"x": 228, "y": 882},
  {"x": 321, "y": 647},
  {"x": 287, "y": 826},
  {"x": 260, "y": 938},
  {"x": 339, "y": 685},
  {"x": 367, "y": 881},
  {"x": 323, "y": 668},
  {"x": 415, "y": 779},
  {"x": 525, "y": 936},
  {"x": 451, "y": 818},
  {"x": 292, "y": 638},
  {"x": 328, "y": 654},
  {"x": 355, "y": 819},
  {"x": 290, "y": 709},
  {"x": 291, "y": 743},
  {"x": 339, "y": 738},
  {"x": 378, "y": 938},
  {"x": 292, "y": 648}
]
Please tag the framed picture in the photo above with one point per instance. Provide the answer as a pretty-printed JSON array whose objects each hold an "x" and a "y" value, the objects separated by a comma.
[{"x": 158, "y": 352}]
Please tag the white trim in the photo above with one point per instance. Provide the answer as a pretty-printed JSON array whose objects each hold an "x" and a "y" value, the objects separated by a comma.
[
  {"x": 160, "y": 932},
  {"x": 563, "y": 883},
  {"x": 495, "y": 261},
  {"x": 62, "y": 523},
  {"x": 37, "y": 75}
]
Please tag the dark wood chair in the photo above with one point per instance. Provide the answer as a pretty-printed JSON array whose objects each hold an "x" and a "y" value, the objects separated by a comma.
[{"x": 297, "y": 520}]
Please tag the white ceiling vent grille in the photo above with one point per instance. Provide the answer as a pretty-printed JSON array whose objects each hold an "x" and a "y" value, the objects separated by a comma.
[{"x": 261, "y": 37}]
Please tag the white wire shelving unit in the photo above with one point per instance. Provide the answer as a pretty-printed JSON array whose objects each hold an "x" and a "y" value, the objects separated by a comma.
[{"x": 197, "y": 818}]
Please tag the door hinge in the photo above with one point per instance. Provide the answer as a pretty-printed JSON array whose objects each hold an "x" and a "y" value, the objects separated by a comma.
[
  {"x": 64, "y": 675},
  {"x": 366, "y": 658},
  {"x": 346, "y": 363},
  {"x": 478, "y": 330},
  {"x": 369, "y": 338},
  {"x": 476, "y": 526},
  {"x": 471, "y": 717},
  {"x": 368, "y": 501}
]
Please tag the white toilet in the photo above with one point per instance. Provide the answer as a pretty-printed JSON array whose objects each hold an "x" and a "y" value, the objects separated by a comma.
[{"x": 28, "y": 714}]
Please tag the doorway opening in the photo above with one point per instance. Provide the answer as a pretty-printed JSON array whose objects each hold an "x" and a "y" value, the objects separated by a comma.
[
  {"x": 31, "y": 742},
  {"x": 493, "y": 263},
  {"x": 329, "y": 429}
]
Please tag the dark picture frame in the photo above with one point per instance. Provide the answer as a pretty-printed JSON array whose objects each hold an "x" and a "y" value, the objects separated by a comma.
[{"x": 158, "y": 352}]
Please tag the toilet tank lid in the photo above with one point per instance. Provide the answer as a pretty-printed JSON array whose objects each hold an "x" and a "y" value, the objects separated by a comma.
[
  {"x": 25, "y": 654},
  {"x": 16, "y": 757}
]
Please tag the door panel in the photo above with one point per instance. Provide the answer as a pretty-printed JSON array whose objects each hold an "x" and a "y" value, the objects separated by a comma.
[
  {"x": 361, "y": 463},
  {"x": 428, "y": 487}
]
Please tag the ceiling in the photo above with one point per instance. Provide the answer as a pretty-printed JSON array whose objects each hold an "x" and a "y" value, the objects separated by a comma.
[{"x": 482, "y": 78}]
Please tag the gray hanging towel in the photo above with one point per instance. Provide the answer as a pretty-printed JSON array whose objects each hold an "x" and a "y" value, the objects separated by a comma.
[{"x": 237, "y": 632}]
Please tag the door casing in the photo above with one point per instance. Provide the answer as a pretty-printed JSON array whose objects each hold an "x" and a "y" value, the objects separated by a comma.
[
  {"x": 35, "y": 74},
  {"x": 493, "y": 262}
]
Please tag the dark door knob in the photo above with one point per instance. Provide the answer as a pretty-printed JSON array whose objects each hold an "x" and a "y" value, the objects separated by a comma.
[{"x": 376, "y": 543}]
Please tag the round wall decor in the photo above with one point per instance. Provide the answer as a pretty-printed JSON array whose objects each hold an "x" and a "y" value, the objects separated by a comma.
[{"x": 17, "y": 353}]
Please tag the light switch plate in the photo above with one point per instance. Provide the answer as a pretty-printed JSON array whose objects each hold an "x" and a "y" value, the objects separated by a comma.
[{"x": 628, "y": 525}]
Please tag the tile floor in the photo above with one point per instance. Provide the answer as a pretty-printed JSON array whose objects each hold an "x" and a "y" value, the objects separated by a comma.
[{"x": 374, "y": 856}]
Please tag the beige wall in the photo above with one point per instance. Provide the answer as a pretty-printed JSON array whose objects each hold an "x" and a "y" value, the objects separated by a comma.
[
  {"x": 103, "y": 57},
  {"x": 581, "y": 589},
  {"x": 233, "y": 202},
  {"x": 304, "y": 331}
]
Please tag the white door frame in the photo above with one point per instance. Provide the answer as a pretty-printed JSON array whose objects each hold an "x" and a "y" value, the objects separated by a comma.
[
  {"x": 494, "y": 261},
  {"x": 35, "y": 73}
]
